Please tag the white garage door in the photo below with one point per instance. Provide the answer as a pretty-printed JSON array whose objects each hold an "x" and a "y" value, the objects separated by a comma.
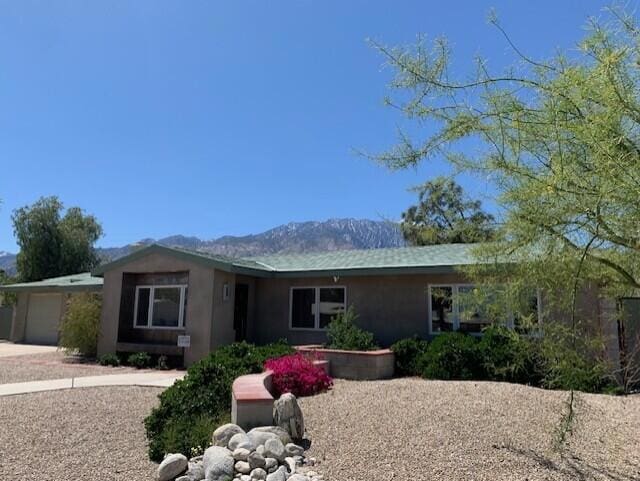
[{"x": 43, "y": 317}]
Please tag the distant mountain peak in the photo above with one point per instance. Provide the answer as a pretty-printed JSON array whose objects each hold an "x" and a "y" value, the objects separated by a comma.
[{"x": 291, "y": 238}]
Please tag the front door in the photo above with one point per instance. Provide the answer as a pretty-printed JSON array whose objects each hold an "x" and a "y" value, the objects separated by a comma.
[{"x": 240, "y": 311}]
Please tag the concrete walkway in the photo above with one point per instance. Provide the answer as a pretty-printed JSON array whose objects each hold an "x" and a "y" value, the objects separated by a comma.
[
  {"x": 152, "y": 379},
  {"x": 9, "y": 349}
]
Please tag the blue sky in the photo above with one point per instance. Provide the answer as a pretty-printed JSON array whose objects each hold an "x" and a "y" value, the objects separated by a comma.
[{"x": 228, "y": 117}]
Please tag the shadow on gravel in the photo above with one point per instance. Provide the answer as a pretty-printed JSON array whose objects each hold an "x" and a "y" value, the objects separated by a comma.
[{"x": 573, "y": 466}]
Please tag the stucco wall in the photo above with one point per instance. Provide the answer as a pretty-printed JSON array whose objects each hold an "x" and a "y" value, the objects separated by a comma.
[
  {"x": 392, "y": 307},
  {"x": 199, "y": 302},
  {"x": 19, "y": 317},
  {"x": 223, "y": 332}
]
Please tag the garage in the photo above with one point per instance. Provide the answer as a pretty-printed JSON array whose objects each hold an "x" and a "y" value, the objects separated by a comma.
[
  {"x": 40, "y": 306},
  {"x": 43, "y": 317}
]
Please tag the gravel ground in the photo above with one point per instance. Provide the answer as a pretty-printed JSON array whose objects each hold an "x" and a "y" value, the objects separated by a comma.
[
  {"x": 80, "y": 434},
  {"x": 404, "y": 429},
  {"x": 53, "y": 365},
  {"x": 412, "y": 429}
]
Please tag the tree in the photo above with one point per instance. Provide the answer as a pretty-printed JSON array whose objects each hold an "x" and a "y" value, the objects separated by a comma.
[
  {"x": 444, "y": 216},
  {"x": 51, "y": 244},
  {"x": 559, "y": 138}
]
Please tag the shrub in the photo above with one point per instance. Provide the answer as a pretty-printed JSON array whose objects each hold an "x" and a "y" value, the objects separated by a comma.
[
  {"x": 191, "y": 408},
  {"x": 81, "y": 324},
  {"x": 509, "y": 356},
  {"x": 140, "y": 360},
  {"x": 298, "y": 375},
  {"x": 342, "y": 333},
  {"x": 572, "y": 360},
  {"x": 407, "y": 353},
  {"x": 452, "y": 355},
  {"x": 109, "y": 360}
]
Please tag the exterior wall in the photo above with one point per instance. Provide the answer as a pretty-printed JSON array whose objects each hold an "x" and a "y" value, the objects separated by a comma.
[
  {"x": 223, "y": 332},
  {"x": 199, "y": 302},
  {"x": 251, "y": 307},
  {"x": 6, "y": 318},
  {"x": 19, "y": 317},
  {"x": 392, "y": 307}
]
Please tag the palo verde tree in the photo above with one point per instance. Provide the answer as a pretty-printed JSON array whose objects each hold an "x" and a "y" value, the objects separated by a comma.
[
  {"x": 52, "y": 244},
  {"x": 560, "y": 139},
  {"x": 444, "y": 216}
]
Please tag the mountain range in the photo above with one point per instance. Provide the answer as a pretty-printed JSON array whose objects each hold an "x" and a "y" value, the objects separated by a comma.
[{"x": 291, "y": 238}]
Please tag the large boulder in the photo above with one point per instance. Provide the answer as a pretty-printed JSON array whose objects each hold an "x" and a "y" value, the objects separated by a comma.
[
  {"x": 223, "y": 434},
  {"x": 195, "y": 471},
  {"x": 218, "y": 464},
  {"x": 172, "y": 466},
  {"x": 288, "y": 415},
  {"x": 277, "y": 430}
]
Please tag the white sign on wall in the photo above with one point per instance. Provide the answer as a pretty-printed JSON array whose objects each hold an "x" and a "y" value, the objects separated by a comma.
[{"x": 184, "y": 341}]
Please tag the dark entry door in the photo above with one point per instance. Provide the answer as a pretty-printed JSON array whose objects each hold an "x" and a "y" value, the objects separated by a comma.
[{"x": 240, "y": 311}]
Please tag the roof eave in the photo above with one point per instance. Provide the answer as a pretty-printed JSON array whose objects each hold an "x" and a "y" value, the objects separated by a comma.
[{"x": 370, "y": 271}]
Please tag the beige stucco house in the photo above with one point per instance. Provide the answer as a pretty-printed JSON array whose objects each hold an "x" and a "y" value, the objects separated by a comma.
[{"x": 182, "y": 303}]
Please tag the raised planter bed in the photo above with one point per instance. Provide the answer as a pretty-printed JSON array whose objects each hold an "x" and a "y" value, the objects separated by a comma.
[{"x": 360, "y": 365}]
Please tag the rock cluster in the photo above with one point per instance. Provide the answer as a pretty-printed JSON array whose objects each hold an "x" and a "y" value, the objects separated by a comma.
[{"x": 263, "y": 453}]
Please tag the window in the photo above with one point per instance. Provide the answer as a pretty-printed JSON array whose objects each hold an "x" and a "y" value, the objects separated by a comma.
[
  {"x": 161, "y": 307},
  {"x": 313, "y": 307},
  {"x": 457, "y": 307}
]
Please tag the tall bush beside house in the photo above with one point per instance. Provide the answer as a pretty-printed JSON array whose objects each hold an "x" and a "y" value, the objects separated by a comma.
[
  {"x": 452, "y": 355},
  {"x": 298, "y": 375},
  {"x": 407, "y": 354},
  {"x": 190, "y": 409},
  {"x": 81, "y": 324},
  {"x": 343, "y": 333},
  {"x": 509, "y": 356}
]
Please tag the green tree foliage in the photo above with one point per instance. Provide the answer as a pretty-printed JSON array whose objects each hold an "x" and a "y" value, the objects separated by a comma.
[
  {"x": 81, "y": 324},
  {"x": 444, "y": 216},
  {"x": 7, "y": 298},
  {"x": 52, "y": 244},
  {"x": 557, "y": 137}
]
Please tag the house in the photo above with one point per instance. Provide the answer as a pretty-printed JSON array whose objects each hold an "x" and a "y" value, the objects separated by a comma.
[
  {"x": 183, "y": 303},
  {"x": 40, "y": 306},
  {"x": 157, "y": 296}
]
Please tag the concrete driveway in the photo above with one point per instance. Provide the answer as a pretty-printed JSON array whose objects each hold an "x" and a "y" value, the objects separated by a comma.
[{"x": 9, "y": 349}]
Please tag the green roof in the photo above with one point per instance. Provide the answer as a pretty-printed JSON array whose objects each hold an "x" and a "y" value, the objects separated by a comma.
[
  {"x": 405, "y": 260},
  {"x": 76, "y": 282},
  {"x": 444, "y": 256}
]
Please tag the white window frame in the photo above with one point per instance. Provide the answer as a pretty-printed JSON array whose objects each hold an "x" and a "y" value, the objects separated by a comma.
[
  {"x": 316, "y": 311},
  {"x": 455, "y": 311},
  {"x": 152, "y": 289}
]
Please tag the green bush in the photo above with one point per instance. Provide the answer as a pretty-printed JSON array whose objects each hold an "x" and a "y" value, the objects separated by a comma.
[
  {"x": 191, "y": 408},
  {"x": 452, "y": 355},
  {"x": 407, "y": 353},
  {"x": 342, "y": 333},
  {"x": 109, "y": 360},
  {"x": 509, "y": 356},
  {"x": 81, "y": 324},
  {"x": 140, "y": 360},
  {"x": 572, "y": 360}
]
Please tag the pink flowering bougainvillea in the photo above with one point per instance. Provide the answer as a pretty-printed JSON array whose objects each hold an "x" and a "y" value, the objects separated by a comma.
[{"x": 298, "y": 375}]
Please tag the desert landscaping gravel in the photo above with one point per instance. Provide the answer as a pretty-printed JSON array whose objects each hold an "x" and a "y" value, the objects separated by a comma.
[
  {"x": 403, "y": 429},
  {"x": 411, "y": 429},
  {"x": 74, "y": 435},
  {"x": 54, "y": 365}
]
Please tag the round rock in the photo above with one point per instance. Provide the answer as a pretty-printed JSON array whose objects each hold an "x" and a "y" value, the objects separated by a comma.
[
  {"x": 218, "y": 464},
  {"x": 172, "y": 466},
  {"x": 258, "y": 473},
  {"x": 277, "y": 430},
  {"x": 279, "y": 475},
  {"x": 224, "y": 433},
  {"x": 274, "y": 448},
  {"x": 256, "y": 460},
  {"x": 242, "y": 467},
  {"x": 241, "y": 454},
  {"x": 294, "y": 450},
  {"x": 240, "y": 440}
]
